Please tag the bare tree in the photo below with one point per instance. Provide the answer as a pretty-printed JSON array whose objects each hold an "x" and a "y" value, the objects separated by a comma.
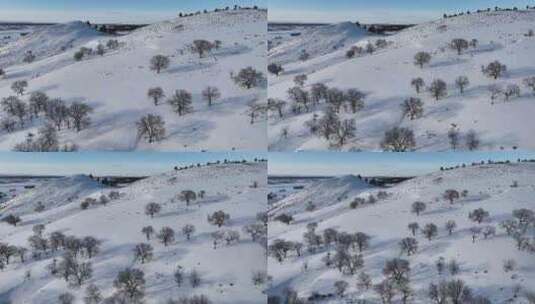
[
  {"x": 476, "y": 231},
  {"x": 418, "y": 84},
  {"x": 195, "y": 278},
  {"x": 156, "y": 94},
  {"x": 450, "y": 226},
  {"x": 335, "y": 98},
  {"x": 386, "y": 290},
  {"x": 422, "y": 58},
  {"x": 398, "y": 140},
  {"x": 57, "y": 112},
  {"x": 144, "y": 252},
  {"x": 152, "y": 127},
  {"x": 276, "y": 105},
  {"x": 413, "y": 227},
  {"x": 91, "y": 246},
  {"x": 256, "y": 109},
  {"x": 159, "y": 63},
  {"x": 178, "y": 276},
  {"x": 413, "y": 107},
  {"x": 29, "y": 57},
  {"x": 451, "y": 195},
  {"x": 438, "y": 89},
  {"x": 248, "y": 78},
  {"x": 454, "y": 137},
  {"x": 79, "y": 112},
  {"x": 318, "y": 91},
  {"x": 462, "y": 82},
  {"x": 488, "y": 231},
  {"x": 201, "y": 47},
  {"x": 346, "y": 130},
  {"x": 211, "y": 94},
  {"x": 38, "y": 102},
  {"x": 530, "y": 83},
  {"x": 327, "y": 126},
  {"x": 409, "y": 245},
  {"x": 275, "y": 68},
  {"x": 219, "y": 218},
  {"x": 494, "y": 69},
  {"x": 181, "y": 102},
  {"x": 148, "y": 231},
  {"x": 459, "y": 45},
  {"x": 188, "y": 230},
  {"x": 510, "y": 91},
  {"x": 472, "y": 140},
  {"x": 152, "y": 209},
  {"x": 495, "y": 91},
  {"x": 299, "y": 96},
  {"x": 131, "y": 283},
  {"x": 430, "y": 231},
  {"x": 187, "y": 196},
  {"x": 418, "y": 207},
  {"x": 438, "y": 293},
  {"x": 355, "y": 98},
  {"x": 19, "y": 87},
  {"x": 478, "y": 215},
  {"x": 166, "y": 235}
]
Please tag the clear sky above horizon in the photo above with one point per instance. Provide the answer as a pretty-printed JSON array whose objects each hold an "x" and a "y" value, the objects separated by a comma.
[
  {"x": 108, "y": 11},
  {"x": 376, "y": 11},
  {"x": 374, "y": 164},
  {"x": 109, "y": 163}
]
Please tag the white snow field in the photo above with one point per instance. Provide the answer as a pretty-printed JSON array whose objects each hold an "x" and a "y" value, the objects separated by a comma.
[
  {"x": 116, "y": 84},
  {"x": 385, "y": 222},
  {"x": 226, "y": 272},
  {"x": 385, "y": 77}
]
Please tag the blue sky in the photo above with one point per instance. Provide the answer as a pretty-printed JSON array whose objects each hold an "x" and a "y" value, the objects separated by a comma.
[
  {"x": 370, "y": 163},
  {"x": 107, "y": 163},
  {"x": 368, "y": 11},
  {"x": 135, "y": 11}
]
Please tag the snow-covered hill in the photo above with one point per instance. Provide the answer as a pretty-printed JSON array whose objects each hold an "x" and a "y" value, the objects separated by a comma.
[
  {"x": 48, "y": 41},
  {"x": 226, "y": 272},
  {"x": 386, "y": 223},
  {"x": 315, "y": 41},
  {"x": 385, "y": 77},
  {"x": 116, "y": 84},
  {"x": 320, "y": 194}
]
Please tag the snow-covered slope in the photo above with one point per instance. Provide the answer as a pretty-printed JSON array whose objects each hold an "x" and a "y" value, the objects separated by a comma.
[
  {"x": 226, "y": 271},
  {"x": 48, "y": 41},
  {"x": 488, "y": 186},
  {"x": 385, "y": 77},
  {"x": 317, "y": 41},
  {"x": 54, "y": 194},
  {"x": 116, "y": 84},
  {"x": 320, "y": 194}
]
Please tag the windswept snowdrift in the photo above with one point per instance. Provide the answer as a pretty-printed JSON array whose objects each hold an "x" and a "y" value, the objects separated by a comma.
[
  {"x": 488, "y": 186},
  {"x": 116, "y": 84},
  {"x": 225, "y": 272},
  {"x": 385, "y": 77}
]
